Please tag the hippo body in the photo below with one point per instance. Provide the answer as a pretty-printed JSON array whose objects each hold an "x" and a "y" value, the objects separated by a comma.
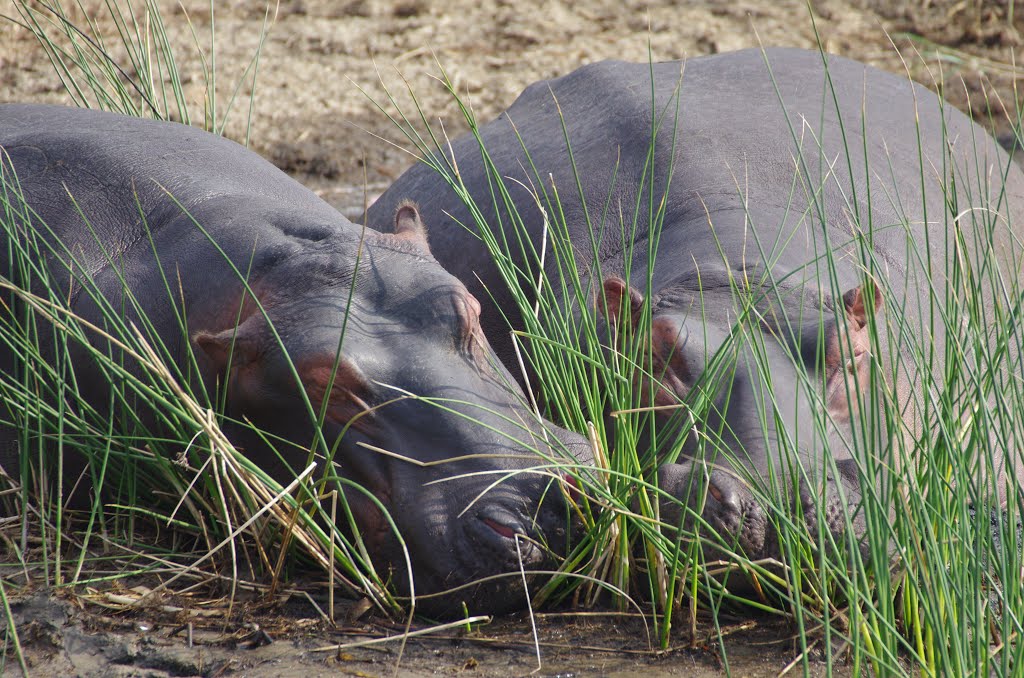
[
  {"x": 144, "y": 186},
  {"x": 761, "y": 163}
]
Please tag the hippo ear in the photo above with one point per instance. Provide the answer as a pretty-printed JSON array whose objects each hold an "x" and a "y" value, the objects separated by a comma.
[
  {"x": 847, "y": 373},
  {"x": 240, "y": 345},
  {"x": 856, "y": 304},
  {"x": 617, "y": 295},
  {"x": 408, "y": 225}
]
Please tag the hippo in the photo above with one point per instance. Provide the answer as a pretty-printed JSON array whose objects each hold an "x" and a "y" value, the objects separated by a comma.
[
  {"x": 364, "y": 327},
  {"x": 706, "y": 194}
]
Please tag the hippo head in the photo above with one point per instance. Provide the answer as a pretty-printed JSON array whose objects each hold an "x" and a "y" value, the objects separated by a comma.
[
  {"x": 799, "y": 391},
  {"x": 416, "y": 410}
]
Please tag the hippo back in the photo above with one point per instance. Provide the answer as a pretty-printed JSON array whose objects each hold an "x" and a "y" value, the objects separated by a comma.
[
  {"x": 120, "y": 171},
  {"x": 761, "y": 161},
  {"x": 108, "y": 191}
]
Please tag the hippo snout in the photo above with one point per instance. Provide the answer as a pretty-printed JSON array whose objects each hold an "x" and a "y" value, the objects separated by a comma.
[
  {"x": 487, "y": 551},
  {"x": 728, "y": 505}
]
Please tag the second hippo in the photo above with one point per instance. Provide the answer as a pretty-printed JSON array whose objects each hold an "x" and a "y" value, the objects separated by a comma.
[{"x": 796, "y": 197}]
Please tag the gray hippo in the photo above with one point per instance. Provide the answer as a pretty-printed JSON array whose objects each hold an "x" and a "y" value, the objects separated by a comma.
[
  {"x": 363, "y": 320},
  {"x": 730, "y": 177}
]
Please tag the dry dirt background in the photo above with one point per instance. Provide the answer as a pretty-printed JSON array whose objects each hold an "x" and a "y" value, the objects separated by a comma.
[{"x": 313, "y": 121}]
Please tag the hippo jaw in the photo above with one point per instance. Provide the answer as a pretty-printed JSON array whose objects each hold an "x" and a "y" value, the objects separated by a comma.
[
  {"x": 470, "y": 545},
  {"x": 460, "y": 518},
  {"x": 455, "y": 527}
]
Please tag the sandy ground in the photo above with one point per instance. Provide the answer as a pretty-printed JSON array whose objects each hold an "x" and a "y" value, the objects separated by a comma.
[
  {"x": 326, "y": 61},
  {"x": 322, "y": 66}
]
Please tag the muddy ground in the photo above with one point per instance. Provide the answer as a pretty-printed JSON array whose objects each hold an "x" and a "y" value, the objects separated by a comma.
[{"x": 323, "y": 62}]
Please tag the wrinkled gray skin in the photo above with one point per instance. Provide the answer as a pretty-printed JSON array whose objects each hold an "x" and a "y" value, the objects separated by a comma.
[
  {"x": 412, "y": 326},
  {"x": 745, "y": 171}
]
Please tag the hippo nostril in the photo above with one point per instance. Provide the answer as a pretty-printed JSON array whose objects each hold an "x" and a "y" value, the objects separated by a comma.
[
  {"x": 502, "y": 521},
  {"x": 501, "y": 542},
  {"x": 504, "y": 530},
  {"x": 723, "y": 489},
  {"x": 726, "y": 496}
]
